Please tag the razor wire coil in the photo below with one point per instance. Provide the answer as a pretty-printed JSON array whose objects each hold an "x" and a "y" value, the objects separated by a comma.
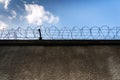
[{"x": 64, "y": 33}]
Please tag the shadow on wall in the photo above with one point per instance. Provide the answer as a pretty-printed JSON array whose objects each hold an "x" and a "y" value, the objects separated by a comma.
[{"x": 60, "y": 63}]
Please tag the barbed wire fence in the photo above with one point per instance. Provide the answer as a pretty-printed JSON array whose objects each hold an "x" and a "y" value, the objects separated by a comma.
[{"x": 64, "y": 33}]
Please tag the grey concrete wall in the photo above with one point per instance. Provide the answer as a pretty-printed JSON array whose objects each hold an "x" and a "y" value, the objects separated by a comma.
[{"x": 60, "y": 63}]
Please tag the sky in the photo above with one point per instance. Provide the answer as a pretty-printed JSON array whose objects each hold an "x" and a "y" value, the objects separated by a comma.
[{"x": 23, "y": 13}]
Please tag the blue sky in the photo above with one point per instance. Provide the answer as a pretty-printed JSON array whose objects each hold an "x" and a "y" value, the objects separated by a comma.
[{"x": 15, "y": 13}]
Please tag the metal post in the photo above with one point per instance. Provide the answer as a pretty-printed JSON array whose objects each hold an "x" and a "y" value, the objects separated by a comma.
[{"x": 40, "y": 38}]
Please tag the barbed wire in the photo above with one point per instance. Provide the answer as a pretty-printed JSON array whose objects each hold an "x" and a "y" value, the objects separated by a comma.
[{"x": 64, "y": 33}]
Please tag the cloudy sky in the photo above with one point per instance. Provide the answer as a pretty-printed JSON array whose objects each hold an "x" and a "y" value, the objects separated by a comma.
[{"x": 59, "y": 12}]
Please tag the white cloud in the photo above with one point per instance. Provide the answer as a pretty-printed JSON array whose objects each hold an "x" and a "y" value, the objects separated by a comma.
[
  {"x": 36, "y": 14},
  {"x": 51, "y": 18},
  {"x": 3, "y": 25},
  {"x": 21, "y": 17},
  {"x": 5, "y": 2},
  {"x": 14, "y": 14}
]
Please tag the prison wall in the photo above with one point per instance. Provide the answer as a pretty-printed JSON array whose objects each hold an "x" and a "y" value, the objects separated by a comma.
[{"x": 60, "y": 62}]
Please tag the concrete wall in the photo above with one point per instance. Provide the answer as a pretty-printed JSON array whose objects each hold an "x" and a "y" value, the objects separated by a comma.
[{"x": 60, "y": 63}]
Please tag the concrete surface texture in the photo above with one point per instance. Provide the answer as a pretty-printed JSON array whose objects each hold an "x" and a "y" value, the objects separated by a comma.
[{"x": 60, "y": 63}]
